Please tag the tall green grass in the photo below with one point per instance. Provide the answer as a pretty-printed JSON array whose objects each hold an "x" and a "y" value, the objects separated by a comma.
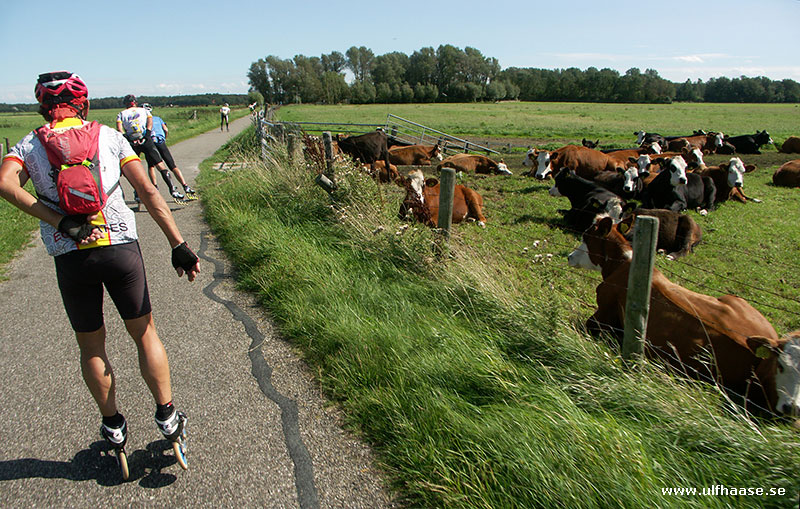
[{"x": 469, "y": 374}]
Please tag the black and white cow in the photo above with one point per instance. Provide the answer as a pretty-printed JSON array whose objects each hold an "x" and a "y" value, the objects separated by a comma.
[
  {"x": 675, "y": 189},
  {"x": 750, "y": 143},
  {"x": 587, "y": 199}
]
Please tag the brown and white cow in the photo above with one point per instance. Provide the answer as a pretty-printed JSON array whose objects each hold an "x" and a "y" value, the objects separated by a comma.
[
  {"x": 729, "y": 180},
  {"x": 378, "y": 171},
  {"x": 474, "y": 163},
  {"x": 706, "y": 143},
  {"x": 686, "y": 328},
  {"x": 788, "y": 175},
  {"x": 414, "y": 155},
  {"x": 422, "y": 201},
  {"x": 586, "y": 162}
]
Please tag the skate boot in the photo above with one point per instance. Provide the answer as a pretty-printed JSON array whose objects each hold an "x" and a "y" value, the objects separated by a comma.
[
  {"x": 117, "y": 438},
  {"x": 178, "y": 196},
  {"x": 174, "y": 429},
  {"x": 190, "y": 193}
]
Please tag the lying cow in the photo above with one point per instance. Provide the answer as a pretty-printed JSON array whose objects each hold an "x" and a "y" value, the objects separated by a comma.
[
  {"x": 705, "y": 142},
  {"x": 586, "y": 162},
  {"x": 685, "y": 328},
  {"x": 422, "y": 201},
  {"x": 414, "y": 155},
  {"x": 729, "y": 180},
  {"x": 788, "y": 175},
  {"x": 378, "y": 171},
  {"x": 677, "y": 190},
  {"x": 791, "y": 145},
  {"x": 586, "y": 198},
  {"x": 678, "y": 234},
  {"x": 474, "y": 163},
  {"x": 750, "y": 143}
]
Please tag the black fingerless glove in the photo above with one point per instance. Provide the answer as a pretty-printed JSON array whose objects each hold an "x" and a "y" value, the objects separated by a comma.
[
  {"x": 76, "y": 227},
  {"x": 183, "y": 257}
]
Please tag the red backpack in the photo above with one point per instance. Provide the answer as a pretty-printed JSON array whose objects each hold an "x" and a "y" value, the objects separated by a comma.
[{"x": 73, "y": 154}]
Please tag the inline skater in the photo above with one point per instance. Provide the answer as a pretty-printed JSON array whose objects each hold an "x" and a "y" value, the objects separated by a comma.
[
  {"x": 97, "y": 250},
  {"x": 135, "y": 124},
  {"x": 223, "y": 116},
  {"x": 159, "y": 133}
]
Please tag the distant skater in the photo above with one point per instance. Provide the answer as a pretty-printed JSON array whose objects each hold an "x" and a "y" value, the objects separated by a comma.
[{"x": 223, "y": 117}]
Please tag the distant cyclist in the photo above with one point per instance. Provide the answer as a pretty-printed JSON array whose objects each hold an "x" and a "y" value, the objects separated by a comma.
[
  {"x": 159, "y": 133},
  {"x": 136, "y": 123},
  {"x": 98, "y": 252},
  {"x": 223, "y": 116}
]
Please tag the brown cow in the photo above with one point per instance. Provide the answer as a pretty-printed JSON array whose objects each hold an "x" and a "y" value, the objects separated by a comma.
[
  {"x": 788, "y": 175},
  {"x": 474, "y": 163},
  {"x": 687, "y": 329},
  {"x": 729, "y": 179},
  {"x": 414, "y": 154},
  {"x": 422, "y": 201},
  {"x": 707, "y": 143},
  {"x": 791, "y": 145},
  {"x": 586, "y": 162}
]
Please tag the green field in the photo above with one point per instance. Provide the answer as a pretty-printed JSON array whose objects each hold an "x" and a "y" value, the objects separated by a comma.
[
  {"x": 16, "y": 227},
  {"x": 471, "y": 374}
]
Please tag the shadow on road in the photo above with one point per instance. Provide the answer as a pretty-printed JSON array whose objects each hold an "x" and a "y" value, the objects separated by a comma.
[{"x": 98, "y": 463}]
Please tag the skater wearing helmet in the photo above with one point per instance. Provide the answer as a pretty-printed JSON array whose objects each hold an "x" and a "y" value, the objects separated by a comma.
[
  {"x": 136, "y": 124},
  {"x": 97, "y": 248},
  {"x": 223, "y": 116},
  {"x": 159, "y": 133}
]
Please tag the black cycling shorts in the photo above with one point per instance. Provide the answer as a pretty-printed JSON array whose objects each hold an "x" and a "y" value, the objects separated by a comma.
[
  {"x": 149, "y": 149},
  {"x": 83, "y": 273},
  {"x": 166, "y": 155}
]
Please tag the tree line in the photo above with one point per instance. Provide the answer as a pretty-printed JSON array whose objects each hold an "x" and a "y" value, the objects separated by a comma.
[
  {"x": 155, "y": 101},
  {"x": 450, "y": 74}
]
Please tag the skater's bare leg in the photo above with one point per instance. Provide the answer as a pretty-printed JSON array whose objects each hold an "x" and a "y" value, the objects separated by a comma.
[
  {"x": 96, "y": 370},
  {"x": 152, "y": 172},
  {"x": 153, "y": 362}
]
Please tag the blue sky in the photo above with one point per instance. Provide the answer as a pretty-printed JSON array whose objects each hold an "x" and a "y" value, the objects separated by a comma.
[{"x": 181, "y": 47}]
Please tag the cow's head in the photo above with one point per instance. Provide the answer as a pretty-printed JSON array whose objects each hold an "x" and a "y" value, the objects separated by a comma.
[
  {"x": 763, "y": 138},
  {"x": 544, "y": 166},
  {"x": 642, "y": 163},
  {"x": 530, "y": 157},
  {"x": 717, "y": 139},
  {"x": 639, "y": 137},
  {"x": 780, "y": 361},
  {"x": 603, "y": 242},
  {"x": 437, "y": 153},
  {"x": 629, "y": 177},
  {"x": 502, "y": 168},
  {"x": 652, "y": 148},
  {"x": 676, "y": 166},
  {"x": 736, "y": 171},
  {"x": 693, "y": 157}
]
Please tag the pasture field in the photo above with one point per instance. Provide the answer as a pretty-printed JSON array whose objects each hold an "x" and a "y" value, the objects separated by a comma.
[
  {"x": 471, "y": 374},
  {"x": 16, "y": 227},
  {"x": 550, "y": 125}
]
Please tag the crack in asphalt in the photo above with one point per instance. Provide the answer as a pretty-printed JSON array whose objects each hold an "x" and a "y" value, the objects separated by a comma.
[{"x": 262, "y": 371}]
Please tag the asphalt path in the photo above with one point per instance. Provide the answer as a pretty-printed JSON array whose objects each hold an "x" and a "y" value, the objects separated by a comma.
[{"x": 261, "y": 433}]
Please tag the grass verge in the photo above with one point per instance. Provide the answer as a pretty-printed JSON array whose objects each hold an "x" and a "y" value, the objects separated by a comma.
[{"x": 476, "y": 390}]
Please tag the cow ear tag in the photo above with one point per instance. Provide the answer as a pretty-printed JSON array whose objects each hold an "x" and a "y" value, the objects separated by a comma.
[
  {"x": 763, "y": 352},
  {"x": 623, "y": 228}
]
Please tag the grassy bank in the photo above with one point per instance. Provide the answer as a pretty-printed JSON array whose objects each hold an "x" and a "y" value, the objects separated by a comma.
[{"x": 472, "y": 377}]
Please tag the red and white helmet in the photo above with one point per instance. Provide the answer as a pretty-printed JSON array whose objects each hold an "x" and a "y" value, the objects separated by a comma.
[{"x": 59, "y": 87}]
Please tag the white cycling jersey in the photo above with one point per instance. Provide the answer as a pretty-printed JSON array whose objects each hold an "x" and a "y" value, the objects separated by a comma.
[
  {"x": 116, "y": 219},
  {"x": 134, "y": 120}
]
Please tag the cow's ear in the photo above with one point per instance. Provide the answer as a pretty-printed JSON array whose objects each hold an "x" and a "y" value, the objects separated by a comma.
[
  {"x": 750, "y": 168},
  {"x": 762, "y": 347},
  {"x": 604, "y": 226},
  {"x": 431, "y": 182},
  {"x": 633, "y": 160},
  {"x": 625, "y": 225}
]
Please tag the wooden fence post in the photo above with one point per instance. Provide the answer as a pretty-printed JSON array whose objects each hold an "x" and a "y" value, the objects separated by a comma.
[
  {"x": 327, "y": 141},
  {"x": 262, "y": 137},
  {"x": 640, "y": 278},
  {"x": 447, "y": 186}
]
